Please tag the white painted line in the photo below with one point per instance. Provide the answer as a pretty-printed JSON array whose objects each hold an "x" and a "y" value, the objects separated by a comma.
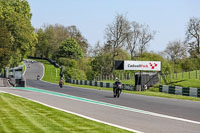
[
  {"x": 114, "y": 125},
  {"x": 43, "y": 70},
  {"x": 25, "y": 68},
  {"x": 2, "y": 91}
]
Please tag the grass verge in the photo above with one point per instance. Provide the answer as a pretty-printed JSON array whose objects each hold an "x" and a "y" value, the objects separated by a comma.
[
  {"x": 51, "y": 74},
  {"x": 19, "y": 115}
]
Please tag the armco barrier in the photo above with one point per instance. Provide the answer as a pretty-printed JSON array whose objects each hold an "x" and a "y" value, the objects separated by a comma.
[
  {"x": 185, "y": 91},
  {"x": 100, "y": 84}
]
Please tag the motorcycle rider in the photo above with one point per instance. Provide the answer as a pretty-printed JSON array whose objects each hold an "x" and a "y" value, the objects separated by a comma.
[
  {"x": 38, "y": 77},
  {"x": 117, "y": 82},
  {"x": 61, "y": 82}
]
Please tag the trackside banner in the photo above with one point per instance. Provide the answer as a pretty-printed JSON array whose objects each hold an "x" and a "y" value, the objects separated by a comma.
[{"x": 142, "y": 65}]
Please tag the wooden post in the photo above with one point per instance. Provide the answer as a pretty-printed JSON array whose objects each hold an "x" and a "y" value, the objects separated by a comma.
[
  {"x": 182, "y": 75},
  {"x": 199, "y": 74},
  {"x": 160, "y": 79},
  {"x": 189, "y": 74},
  {"x": 196, "y": 74}
]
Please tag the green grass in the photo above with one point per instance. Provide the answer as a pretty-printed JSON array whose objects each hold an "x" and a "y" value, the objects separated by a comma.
[
  {"x": 151, "y": 92},
  {"x": 24, "y": 67},
  {"x": 52, "y": 74},
  {"x": 18, "y": 115},
  {"x": 186, "y": 79}
]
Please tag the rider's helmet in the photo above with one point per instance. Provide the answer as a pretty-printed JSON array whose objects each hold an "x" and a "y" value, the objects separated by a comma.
[{"x": 117, "y": 79}]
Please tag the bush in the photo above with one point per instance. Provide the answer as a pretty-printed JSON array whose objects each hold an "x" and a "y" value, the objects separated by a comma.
[
  {"x": 68, "y": 62},
  {"x": 190, "y": 64},
  {"x": 74, "y": 73}
]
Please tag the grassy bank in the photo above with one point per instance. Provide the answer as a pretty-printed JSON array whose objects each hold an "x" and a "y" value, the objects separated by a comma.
[
  {"x": 184, "y": 79},
  {"x": 51, "y": 74},
  {"x": 18, "y": 115}
]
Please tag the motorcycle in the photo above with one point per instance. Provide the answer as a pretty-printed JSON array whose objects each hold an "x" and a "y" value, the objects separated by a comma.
[
  {"x": 38, "y": 77},
  {"x": 61, "y": 83},
  {"x": 117, "y": 90}
]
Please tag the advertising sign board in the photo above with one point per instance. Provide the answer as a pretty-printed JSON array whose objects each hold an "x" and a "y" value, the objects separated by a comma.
[{"x": 142, "y": 65}]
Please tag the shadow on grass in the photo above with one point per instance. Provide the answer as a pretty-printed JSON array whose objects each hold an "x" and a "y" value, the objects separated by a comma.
[{"x": 177, "y": 81}]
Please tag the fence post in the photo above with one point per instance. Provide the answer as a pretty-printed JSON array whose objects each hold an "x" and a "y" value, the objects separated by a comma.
[
  {"x": 182, "y": 75},
  {"x": 189, "y": 74},
  {"x": 160, "y": 78},
  {"x": 196, "y": 74}
]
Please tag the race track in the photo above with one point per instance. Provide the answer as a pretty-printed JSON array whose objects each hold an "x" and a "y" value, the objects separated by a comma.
[{"x": 137, "y": 112}]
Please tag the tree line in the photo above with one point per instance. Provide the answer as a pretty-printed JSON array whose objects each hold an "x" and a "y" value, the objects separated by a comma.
[
  {"x": 17, "y": 36},
  {"x": 124, "y": 40}
]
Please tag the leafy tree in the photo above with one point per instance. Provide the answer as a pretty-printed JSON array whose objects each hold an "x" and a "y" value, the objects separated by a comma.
[
  {"x": 101, "y": 64},
  {"x": 175, "y": 50},
  {"x": 116, "y": 34},
  {"x": 69, "y": 63},
  {"x": 166, "y": 65},
  {"x": 70, "y": 49},
  {"x": 76, "y": 34},
  {"x": 42, "y": 45},
  {"x": 190, "y": 64},
  {"x": 17, "y": 17},
  {"x": 74, "y": 73},
  {"x": 5, "y": 45},
  {"x": 51, "y": 36},
  {"x": 193, "y": 36}
]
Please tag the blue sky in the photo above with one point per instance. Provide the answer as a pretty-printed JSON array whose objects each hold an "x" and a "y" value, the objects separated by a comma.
[{"x": 168, "y": 18}]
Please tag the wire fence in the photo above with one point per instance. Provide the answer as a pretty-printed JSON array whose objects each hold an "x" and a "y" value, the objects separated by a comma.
[
  {"x": 171, "y": 76},
  {"x": 184, "y": 75},
  {"x": 111, "y": 77}
]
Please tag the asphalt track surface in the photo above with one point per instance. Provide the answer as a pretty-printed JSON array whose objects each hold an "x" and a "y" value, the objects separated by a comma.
[{"x": 180, "y": 116}]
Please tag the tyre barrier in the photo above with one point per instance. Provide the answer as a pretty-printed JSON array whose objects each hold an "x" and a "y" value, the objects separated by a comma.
[
  {"x": 100, "y": 84},
  {"x": 185, "y": 91}
]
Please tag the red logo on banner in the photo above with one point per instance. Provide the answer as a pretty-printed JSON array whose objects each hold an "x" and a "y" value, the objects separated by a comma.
[{"x": 153, "y": 65}]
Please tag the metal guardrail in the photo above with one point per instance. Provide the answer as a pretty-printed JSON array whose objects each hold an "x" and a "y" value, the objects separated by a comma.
[
  {"x": 15, "y": 76},
  {"x": 185, "y": 91}
]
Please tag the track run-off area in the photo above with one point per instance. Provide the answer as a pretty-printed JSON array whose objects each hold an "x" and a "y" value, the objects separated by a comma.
[{"x": 132, "y": 112}]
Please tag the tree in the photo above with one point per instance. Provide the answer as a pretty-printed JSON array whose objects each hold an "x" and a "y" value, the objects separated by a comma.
[
  {"x": 76, "y": 34},
  {"x": 69, "y": 48},
  {"x": 42, "y": 45},
  {"x": 116, "y": 34},
  {"x": 175, "y": 50},
  {"x": 193, "y": 36},
  {"x": 101, "y": 64},
  {"x": 5, "y": 45},
  {"x": 133, "y": 38},
  {"x": 17, "y": 17},
  {"x": 53, "y": 35},
  {"x": 145, "y": 37}
]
